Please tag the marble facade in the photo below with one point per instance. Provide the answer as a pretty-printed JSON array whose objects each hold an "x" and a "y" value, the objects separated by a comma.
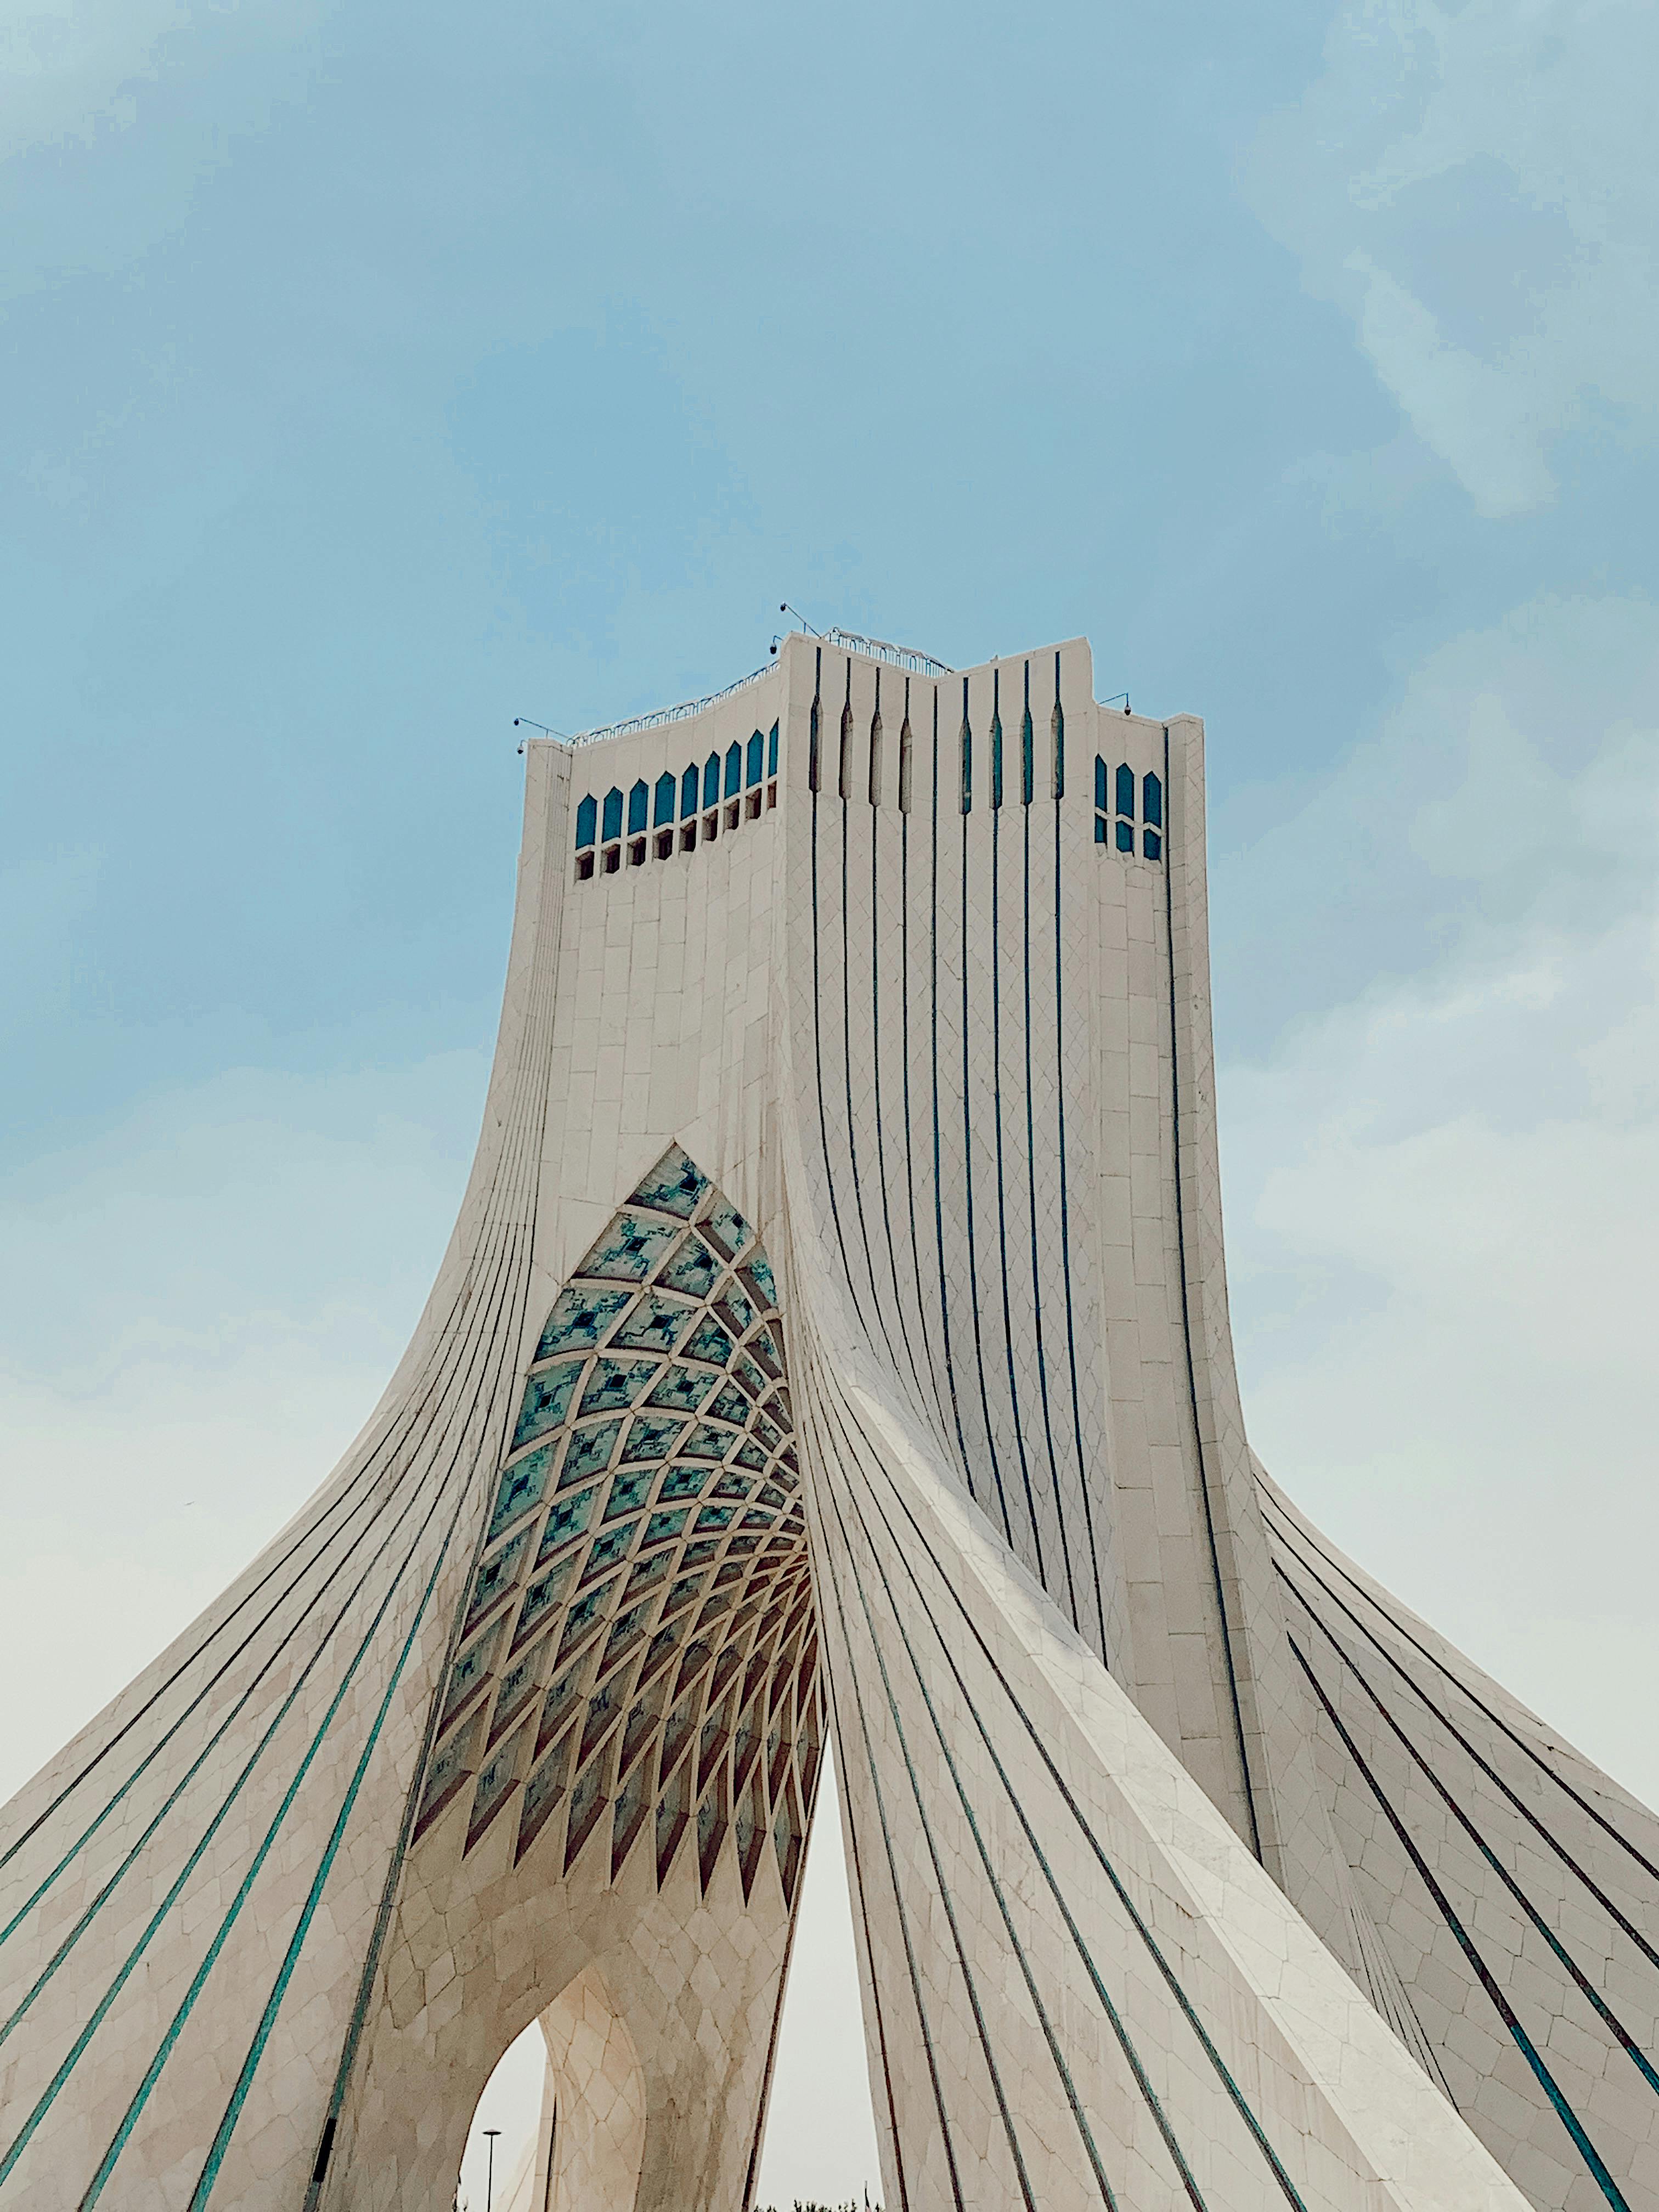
[{"x": 832, "y": 1353}]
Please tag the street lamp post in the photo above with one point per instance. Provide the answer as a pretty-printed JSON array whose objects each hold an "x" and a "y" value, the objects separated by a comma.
[{"x": 490, "y": 2135}]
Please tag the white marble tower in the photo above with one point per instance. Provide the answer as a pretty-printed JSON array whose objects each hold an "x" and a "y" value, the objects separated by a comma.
[{"x": 833, "y": 1349}]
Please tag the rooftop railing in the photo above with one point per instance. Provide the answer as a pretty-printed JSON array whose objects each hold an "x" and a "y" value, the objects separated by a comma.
[{"x": 872, "y": 649}]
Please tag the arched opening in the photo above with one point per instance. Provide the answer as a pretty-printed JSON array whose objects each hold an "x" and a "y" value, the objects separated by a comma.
[
  {"x": 501, "y": 2140},
  {"x": 561, "y": 2124}
]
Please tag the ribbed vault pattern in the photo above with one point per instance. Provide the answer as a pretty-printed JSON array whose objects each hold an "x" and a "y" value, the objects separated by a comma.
[{"x": 638, "y": 1637}]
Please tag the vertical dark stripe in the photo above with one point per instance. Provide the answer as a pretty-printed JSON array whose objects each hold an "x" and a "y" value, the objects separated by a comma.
[
  {"x": 875, "y": 1065},
  {"x": 1608, "y": 2018},
  {"x": 1524, "y": 2043},
  {"x": 967, "y": 1189},
  {"x": 1015, "y": 1945},
  {"x": 939, "y": 1179},
  {"x": 909, "y": 1136},
  {"x": 1058, "y": 726},
  {"x": 846, "y": 1056},
  {"x": 898, "y": 1897},
  {"x": 1203, "y": 1457},
  {"x": 1541, "y": 1829},
  {"x": 1149, "y": 1941},
  {"x": 1054, "y": 1476},
  {"x": 1002, "y": 1219},
  {"x": 941, "y": 1886},
  {"x": 1125, "y": 2041}
]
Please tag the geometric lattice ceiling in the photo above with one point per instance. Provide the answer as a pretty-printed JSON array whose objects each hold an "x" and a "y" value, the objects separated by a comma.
[{"x": 639, "y": 1637}]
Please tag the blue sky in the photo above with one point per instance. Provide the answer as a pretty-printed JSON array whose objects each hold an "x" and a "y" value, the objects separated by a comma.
[{"x": 374, "y": 375}]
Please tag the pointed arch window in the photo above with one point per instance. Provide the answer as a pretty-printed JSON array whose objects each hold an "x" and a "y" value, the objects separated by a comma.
[
  {"x": 875, "y": 758},
  {"x": 772, "y": 751},
  {"x": 711, "y": 781},
  {"x": 752, "y": 767},
  {"x": 1057, "y": 737},
  {"x": 996, "y": 755},
  {"x": 587, "y": 822},
  {"x": 613, "y": 807},
  {"x": 689, "y": 792},
  {"x": 906, "y": 766},
  {"x": 733, "y": 768},
  {"x": 1125, "y": 790},
  {"x": 1151, "y": 815},
  {"x": 663, "y": 808},
  {"x": 639, "y": 803}
]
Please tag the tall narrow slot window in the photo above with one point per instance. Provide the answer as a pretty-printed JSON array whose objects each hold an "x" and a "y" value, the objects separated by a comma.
[
  {"x": 711, "y": 781},
  {"x": 639, "y": 804},
  {"x": 967, "y": 750},
  {"x": 996, "y": 736},
  {"x": 1057, "y": 737},
  {"x": 733, "y": 768},
  {"x": 587, "y": 822},
  {"x": 844, "y": 779},
  {"x": 906, "y": 760},
  {"x": 664, "y": 809},
  {"x": 875, "y": 747},
  {"x": 772, "y": 751},
  {"x": 1103, "y": 786},
  {"x": 612, "y": 814},
  {"x": 752, "y": 764},
  {"x": 1125, "y": 790},
  {"x": 814, "y": 729},
  {"x": 1027, "y": 747},
  {"x": 689, "y": 790}
]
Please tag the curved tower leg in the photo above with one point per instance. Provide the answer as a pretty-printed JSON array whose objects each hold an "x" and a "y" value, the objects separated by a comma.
[{"x": 840, "y": 1271}]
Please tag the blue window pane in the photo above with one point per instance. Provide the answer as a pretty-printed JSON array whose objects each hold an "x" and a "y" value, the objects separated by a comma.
[
  {"x": 1152, "y": 799},
  {"x": 1027, "y": 761},
  {"x": 639, "y": 801},
  {"x": 711, "y": 779},
  {"x": 733, "y": 768},
  {"x": 772, "y": 752},
  {"x": 588, "y": 821},
  {"x": 996, "y": 760},
  {"x": 1057, "y": 730},
  {"x": 967, "y": 767},
  {"x": 1125, "y": 790},
  {"x": 1103, "y": 795},
  {"x": 663, "y": 810},
  {"x": 755, "y": 743},
  {"x": 1152, "y": 845},
  {"x": 1125, "y": 836},
  {"x": 1100, "y": 828},
  {"x": 689, "y": 790},
  {"x": 613, "y": 812}
]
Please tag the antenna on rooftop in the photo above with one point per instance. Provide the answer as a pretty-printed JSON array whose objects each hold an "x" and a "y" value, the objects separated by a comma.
[{"x": 784, "y": 608}]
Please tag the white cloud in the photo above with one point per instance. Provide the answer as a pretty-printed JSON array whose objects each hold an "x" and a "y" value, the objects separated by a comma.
[
  {"x": 69, "y": 66},
  {"x": 1444, "y": 1192},
  {"x": 1475, "y": 186}
]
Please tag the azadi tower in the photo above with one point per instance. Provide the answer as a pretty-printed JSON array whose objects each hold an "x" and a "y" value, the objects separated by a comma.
[{"x": 833, "y": 1350}]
